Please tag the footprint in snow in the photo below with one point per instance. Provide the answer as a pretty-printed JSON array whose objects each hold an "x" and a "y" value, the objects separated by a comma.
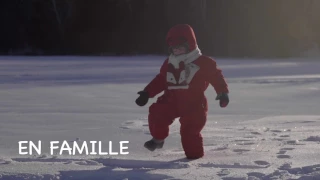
[
  {"x": 287, "y": 149},
  {"x": 220, "y": 148},
  {"x": 135, "y": 124},
  {"x": 313, "y": 138},
  {"x": 256, "y": 133},
  {"x": 255, "y": 175},
  {"x": 246, "y": 143},
  {"x": 294, "y": 142},
  {"x": 284, "y": 136},
  {"x": 88, "y": 162},
  {"x": 262, "y": 163},
  {"x": 3, "y": 161},
  {"x": 282, "y": 156},
  {"x": 240, "y": 140},
  {"x": 243, "y": 142},
  {"x": 285, "y": 166},
  {"x": 251, "y": 137},
  {"x": 223, "y": 172},
  {"x": 240, "y": 150},
  {"x": 308, "y": 121},
  {"x": 210, "y": 145},
  {"x": 278, "y": 131},
  {"x": 281, "y": 152}
]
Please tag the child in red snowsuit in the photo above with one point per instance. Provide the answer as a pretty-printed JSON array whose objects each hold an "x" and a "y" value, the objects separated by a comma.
[{"x": 184, "y": 77}]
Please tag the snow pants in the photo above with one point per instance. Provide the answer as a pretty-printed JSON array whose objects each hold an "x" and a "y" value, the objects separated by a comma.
[{"x": 162, "y": 115}]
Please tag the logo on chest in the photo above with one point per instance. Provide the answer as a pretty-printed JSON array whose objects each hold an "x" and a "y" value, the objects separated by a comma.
[{"x": 180, "y": 77}]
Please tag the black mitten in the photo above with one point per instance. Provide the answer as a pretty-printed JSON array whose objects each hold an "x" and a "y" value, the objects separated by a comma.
[
  {"x": 224, "y": 99},
  {"x": 143, "y": 98}
]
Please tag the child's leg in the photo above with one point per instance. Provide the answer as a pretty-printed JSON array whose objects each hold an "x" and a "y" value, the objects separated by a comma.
[
  {"x": 191, "y": 137},
  {"x": 161, "y": 116}
]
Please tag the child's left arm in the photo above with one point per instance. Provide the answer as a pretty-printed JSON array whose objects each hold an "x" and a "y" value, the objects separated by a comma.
[{"x": 215, "y": 77}]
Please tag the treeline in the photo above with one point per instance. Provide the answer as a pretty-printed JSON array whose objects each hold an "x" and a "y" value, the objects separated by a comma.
[{"x": 229, "y": 28}]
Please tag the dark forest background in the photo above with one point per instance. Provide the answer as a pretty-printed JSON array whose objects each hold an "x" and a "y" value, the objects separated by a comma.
[{"x": 228, "y": 28}]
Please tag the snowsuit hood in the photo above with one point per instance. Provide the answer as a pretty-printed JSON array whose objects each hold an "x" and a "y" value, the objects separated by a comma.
[{"x": 180, "y": 34}]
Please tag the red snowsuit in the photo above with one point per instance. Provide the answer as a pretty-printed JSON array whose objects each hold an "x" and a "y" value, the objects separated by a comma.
[{"x": 184, "y": 86}]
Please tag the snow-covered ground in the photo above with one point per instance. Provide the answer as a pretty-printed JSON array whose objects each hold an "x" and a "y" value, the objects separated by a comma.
[{"x": 270, "y": 130}]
